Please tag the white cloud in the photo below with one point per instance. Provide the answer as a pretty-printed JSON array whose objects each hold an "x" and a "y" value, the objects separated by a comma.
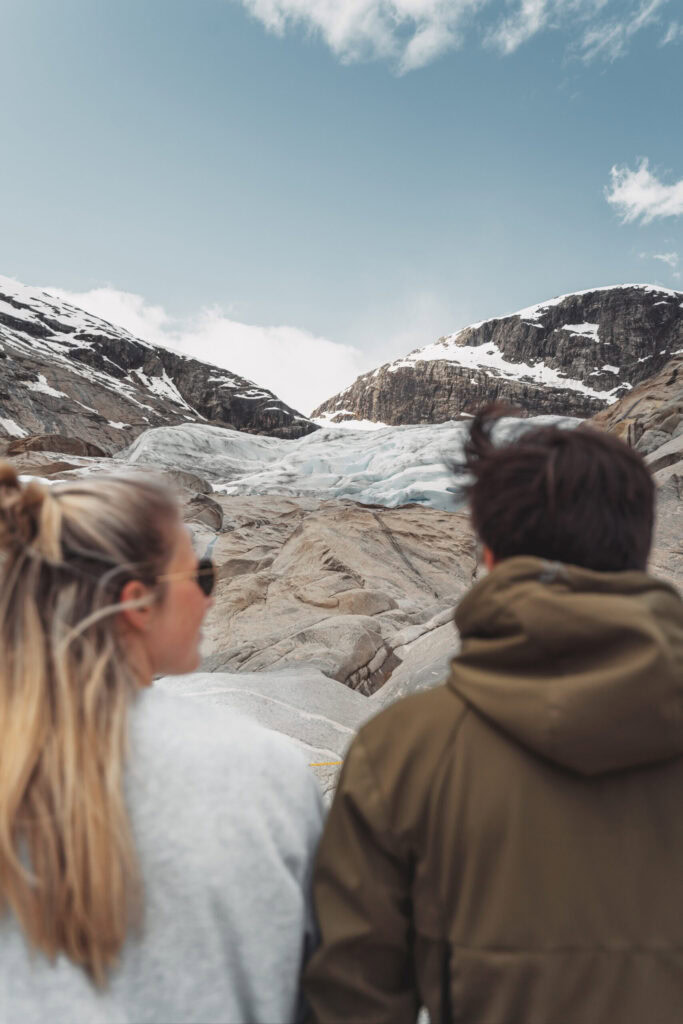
[
  {"x": 411, "y": 33},
  {"x": 640, "y": 195},
  {"x": 121, "y": 308},
  {"x": 302, "y": 368},
  {"x": 670, "y": 258},
  {"x": 514, "y": 30},
  {"x": 674, "y": 34},
  {"x": 611, "y": 39},
  {"x": 532, "y": 16}
]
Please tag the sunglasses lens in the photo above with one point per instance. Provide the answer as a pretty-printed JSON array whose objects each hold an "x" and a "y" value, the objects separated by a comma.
[{"x": 206, "y": 576}]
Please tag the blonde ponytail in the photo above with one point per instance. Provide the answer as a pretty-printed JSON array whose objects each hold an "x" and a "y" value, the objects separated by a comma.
[{"x": 67, "y": 859}]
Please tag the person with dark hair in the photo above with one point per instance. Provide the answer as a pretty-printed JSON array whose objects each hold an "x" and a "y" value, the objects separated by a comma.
[
  {"x": 507, "y": 847},
  {"x": 576, "y": 496}
]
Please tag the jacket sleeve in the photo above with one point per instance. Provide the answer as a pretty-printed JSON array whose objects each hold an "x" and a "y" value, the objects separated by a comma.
[{"x": 363, "y": 968}]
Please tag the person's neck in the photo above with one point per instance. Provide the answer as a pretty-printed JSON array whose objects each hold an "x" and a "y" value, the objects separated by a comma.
[{"x": 139, "y": 661}]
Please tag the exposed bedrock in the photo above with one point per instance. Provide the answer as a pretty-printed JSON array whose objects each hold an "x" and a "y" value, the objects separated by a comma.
[
  {"x": 652, "y": 413},
  {"x": 435, "y": 391},
  {"x": 569, "y": 356},
  {"x": 650, "y": 419},
  {"x": 336, "y": 585}
]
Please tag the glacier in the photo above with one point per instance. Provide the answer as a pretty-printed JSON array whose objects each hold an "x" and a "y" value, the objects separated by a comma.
[{"x": 390, "y": 466}]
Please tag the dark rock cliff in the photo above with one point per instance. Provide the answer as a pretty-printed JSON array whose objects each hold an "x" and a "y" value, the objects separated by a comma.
[
  {"x": 570, "y": 356},
  {"x": 63, "y": 371}
]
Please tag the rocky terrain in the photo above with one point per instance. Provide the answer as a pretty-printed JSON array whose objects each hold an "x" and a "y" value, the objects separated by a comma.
[
  {"x": 63, "y": 371},
  {"x": 651, "y": 420},
  {"x": 652, "y": 414},
  {"x": 573, "y": 355},
  {"x": 346, "y": 588}
]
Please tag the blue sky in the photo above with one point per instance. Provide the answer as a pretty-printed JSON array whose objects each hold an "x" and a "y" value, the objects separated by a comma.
[{"x": 302, "y": 189}]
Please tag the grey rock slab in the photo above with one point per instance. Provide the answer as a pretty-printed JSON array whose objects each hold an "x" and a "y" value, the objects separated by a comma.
[
  {"x": 655, "y": 402},
  {"x": 650, "y": 441},
  {"x": 425, "y": 663},
  {"x": 331, "y": 583},
  {"x": 666, "y": 559},
  {"x": 666, "y": 454},
  {"x": 318, "y": 713},
  {"x": 650, "y": 405}
]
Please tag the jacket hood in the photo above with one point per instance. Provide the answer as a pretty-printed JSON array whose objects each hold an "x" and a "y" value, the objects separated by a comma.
[{"x": 584, "y": 668}]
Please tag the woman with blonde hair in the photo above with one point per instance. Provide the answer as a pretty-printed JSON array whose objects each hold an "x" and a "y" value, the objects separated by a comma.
[{"x": 154, "y": 853}]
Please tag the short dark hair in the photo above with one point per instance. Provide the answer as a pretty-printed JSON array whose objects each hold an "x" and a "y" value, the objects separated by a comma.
[{"x": 569, "y": 495}]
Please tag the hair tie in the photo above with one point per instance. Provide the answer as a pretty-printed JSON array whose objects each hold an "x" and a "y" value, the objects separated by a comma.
[{"x": 30, "y": 517}]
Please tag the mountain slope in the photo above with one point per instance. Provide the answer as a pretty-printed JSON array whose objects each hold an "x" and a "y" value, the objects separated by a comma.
[
  {"x": 572, "y": 355},
  {"x": 65, "y": 371}
]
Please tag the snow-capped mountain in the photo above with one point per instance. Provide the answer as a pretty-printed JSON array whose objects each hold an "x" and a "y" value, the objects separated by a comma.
[
  {"x": 67, "y": 372},
  {"x": 573, "y": 355}
]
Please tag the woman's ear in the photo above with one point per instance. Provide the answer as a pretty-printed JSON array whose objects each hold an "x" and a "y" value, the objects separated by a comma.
[{"x": 133, "y": 592}]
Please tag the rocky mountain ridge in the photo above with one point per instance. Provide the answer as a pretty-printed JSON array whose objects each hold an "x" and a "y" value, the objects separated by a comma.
[
  {"x": 573, "y": 355},
  {"x": 64, "y": 371}
]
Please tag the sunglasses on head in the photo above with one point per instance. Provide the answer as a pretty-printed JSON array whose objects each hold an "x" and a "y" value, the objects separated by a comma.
[{"x": 204, "y": 576}]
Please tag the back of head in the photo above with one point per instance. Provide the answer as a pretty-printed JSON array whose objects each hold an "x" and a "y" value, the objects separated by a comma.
[
  {"x": 569, "y": 495},
  {"x": 67, "y": 863}
]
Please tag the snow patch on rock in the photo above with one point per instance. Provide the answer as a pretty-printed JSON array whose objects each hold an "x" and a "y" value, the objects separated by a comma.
[
  {"x": 488, "y": 358},
  {"x": 42, "y": 385},
  {"x": 12, "y": 428},
  {"x": 585, "y": 330}
]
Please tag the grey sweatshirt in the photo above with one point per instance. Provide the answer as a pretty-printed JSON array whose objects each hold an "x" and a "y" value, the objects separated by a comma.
[{"x": 226, "y": 817}]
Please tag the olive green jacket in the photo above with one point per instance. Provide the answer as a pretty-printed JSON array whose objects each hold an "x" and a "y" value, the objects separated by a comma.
[{"x": 508, "y": 848}]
